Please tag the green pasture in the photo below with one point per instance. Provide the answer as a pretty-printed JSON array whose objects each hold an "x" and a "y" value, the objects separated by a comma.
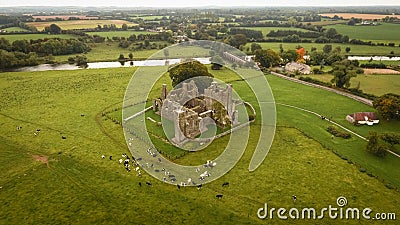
[
  {"x": 359, "y": 50},
  {"x": 372, "y": 84},
  {"x": 266, "y": 30},
  {"x": 108, "y": 52},
  {"x": 13, "y": 37},
  {"x": 124, "y": 34},
  {"x": 385, "y": 32},
  {"x": 79, "y": 187},
  {"x": 15, "y": 29},
  {"x": 326, "y": 22},
  {"x": 79, "y": 24}
]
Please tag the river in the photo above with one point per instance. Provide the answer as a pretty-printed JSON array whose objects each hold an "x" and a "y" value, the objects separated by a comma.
[{"x": 98, "y": 65}]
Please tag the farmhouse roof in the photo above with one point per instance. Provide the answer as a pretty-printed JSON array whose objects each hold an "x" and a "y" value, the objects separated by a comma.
[{"x": 359, "y": 116}]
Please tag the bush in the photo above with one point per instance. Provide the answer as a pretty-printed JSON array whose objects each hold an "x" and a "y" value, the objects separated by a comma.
[{"x": 337, "y": 133}]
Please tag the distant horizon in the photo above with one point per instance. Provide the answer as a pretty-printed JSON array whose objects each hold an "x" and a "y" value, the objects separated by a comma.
[{"x": 202, "y": 4}]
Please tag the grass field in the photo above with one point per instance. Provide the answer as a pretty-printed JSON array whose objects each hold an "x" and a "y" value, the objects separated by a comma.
[
  {"x": 78, "y": 24},
  {"x": 111, "y": 52},
  {"x": 79, "y": 187},
  {"x": 384, "y": 33},
  {"x": 266, "y": 30},
  {"x": 15, "y": 29},
  {"x": 13, "y": 37},
  {"x": 125, "y": 34},
  {"x": 372, "y": 84},
  {"x": 355, "y": 49}
]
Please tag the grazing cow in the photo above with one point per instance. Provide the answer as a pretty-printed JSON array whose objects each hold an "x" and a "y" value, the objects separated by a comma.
[
  {"x": 219, "y": 196},
  {"x": 294, "y": 198},
  {"x": 179, "y": 186},
  {"x": 103, "y": 156},
  {"x": 225, "y": 184},
  {"x": 63, "y": 137},
  {"x": 140, "y": 184},
  {"x": 110, "y": 157},
  {"x": 148, "y": 183},
  {"x": 199, "y": 186}
]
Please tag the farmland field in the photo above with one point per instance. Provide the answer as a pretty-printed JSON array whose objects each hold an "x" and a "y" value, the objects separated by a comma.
[
  {"x": 13, "y": 37},
  {"x": 266, "y": 30},
  {"x": 15, "y": 29},
  {"x": 355, "y": 49},
  {"x": 78, "y": 186},
  {"x": 79, "y": 24},
  {"x": 371, "y": 84},
  {"x": 358, "y": 15},
  {"x": 385, "y": 32},
  {"x": 125, "y": 34}
]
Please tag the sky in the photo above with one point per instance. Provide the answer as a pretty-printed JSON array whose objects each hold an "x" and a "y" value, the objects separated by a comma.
[{"x": 195, "y": 3}]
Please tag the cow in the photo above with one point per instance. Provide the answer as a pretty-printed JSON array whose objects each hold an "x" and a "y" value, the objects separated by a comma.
[{"x": 219, "y": 196}]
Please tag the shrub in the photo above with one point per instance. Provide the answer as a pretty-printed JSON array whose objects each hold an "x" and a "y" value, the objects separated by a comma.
[{"x": 337, "y": 133}]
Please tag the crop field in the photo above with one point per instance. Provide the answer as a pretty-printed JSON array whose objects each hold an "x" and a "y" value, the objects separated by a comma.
[
  {"x": 372, "y": 84},
  {"x": 358, "y": 15},
  {"x": 48, "y": 179},
  {"x": 79, "y": 24},
  {"x": 359, "y": 50},
  {"x": 13, "y": 37},
  {"x": 124, "y": 34},
  {"x": 385, "y": 32},
  {"x": 66, "y": 17}
]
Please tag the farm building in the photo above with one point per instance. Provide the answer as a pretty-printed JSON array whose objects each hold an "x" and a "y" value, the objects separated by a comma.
[
  {"x": 296, "y": 66},
  {"x": 368, "y": 118}
]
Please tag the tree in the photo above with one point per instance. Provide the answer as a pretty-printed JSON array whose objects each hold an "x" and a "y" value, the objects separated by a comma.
[
  {"x": 81, "y": 61},
  {"x": 376, "y": 145},
  {"x": 289, "y": 56},
  {"x": 327, "y": 49},
  {"x": 267, "y": 58},
  {"x": 331, "y": 33},
  {"x": 190, "y": 69},
  {"x": 124, "y": 26},
  {"x": 54, "y": 29},
  {"x": 254, "y": 47},
  {"x": 130, "y": 56},
  {"x": 237, "y": 40},
  {"x": 388, "y": 106},
  {"x": 343, "y": 71},
  {"x": 348, "y": 49},
  {"x": 121, "y": 59},
  {"x": 300, "y": 54}
]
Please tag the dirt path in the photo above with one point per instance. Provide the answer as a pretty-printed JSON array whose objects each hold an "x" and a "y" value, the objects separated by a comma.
[{"x": 355, "y": 97}]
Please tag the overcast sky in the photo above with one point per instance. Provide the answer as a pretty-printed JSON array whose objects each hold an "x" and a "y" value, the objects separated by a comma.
[{"x": 194, "y": 3}]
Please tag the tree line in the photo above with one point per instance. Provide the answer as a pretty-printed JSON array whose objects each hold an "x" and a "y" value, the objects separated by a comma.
[{"x": 27, "y": 53}]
